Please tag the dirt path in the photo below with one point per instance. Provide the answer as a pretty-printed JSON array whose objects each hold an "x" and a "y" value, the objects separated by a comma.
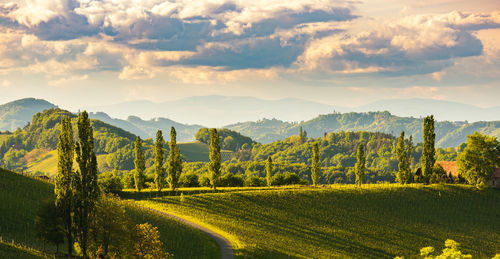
[{"x": 225, "y": 247}]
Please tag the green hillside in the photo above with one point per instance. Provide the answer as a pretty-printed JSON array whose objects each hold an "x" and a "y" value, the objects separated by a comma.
[
  {"x": 375, "y": 221},
  {"x": 18, "y": 113},
  {"x": 19, "y": 201},
  {"x": 33, "y": 148},
  {"x": 21, "y": 197},
  {"x": 448, "y": 134}
]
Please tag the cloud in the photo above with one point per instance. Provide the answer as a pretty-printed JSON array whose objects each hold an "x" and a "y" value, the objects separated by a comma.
[
  {"x": 142, "y": 39},
  {"x": 418, "y": 44}
]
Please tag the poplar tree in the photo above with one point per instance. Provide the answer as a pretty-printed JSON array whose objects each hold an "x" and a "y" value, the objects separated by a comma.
[
  {"x": 215, "y": 159},
  {"x": 174, "y": 161},
  {"x": 159, "y": 155},
  {"x": 360, "y": 165},
  {"x": 401, "y": 156},
  {"x": 140, "y": 165},
  {"x": 428, "y": 150},
  {"x": 64, "y": 178},
  {"x": 315, "y": 164},
  {"x": 302, "y": 135},
  {"x": 86, "y": 190},
  {"x": 269, "y": 170},
  {"x": 409, "y": 158}
]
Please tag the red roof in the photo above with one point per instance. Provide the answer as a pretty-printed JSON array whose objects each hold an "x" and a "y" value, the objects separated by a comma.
[{"x": 450, "y": 167}]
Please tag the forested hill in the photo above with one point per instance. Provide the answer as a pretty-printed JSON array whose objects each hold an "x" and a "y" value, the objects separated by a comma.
[
  {"x": 25, "y": 146},
  {"x": 148, "y": 128},
  {"x": 18, "y": 113},
  {"x": 448, "y": 134}
]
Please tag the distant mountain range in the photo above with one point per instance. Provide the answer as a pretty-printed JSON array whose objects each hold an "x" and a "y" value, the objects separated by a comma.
[
  {"x": 216, "y": 111},
  {"x": 18, "y": 114},
  {"x": 147, "y": 129}
]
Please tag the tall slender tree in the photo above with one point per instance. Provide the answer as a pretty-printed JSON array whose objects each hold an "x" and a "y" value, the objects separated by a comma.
[
  {"x": 409, "y": 158},
  {"x": 86, "y": 189},
  {"x": 360, "y": 165},
  {"x": 428, "y": 150},
  {"x": 315, "y": 165},
  {"x": 159, "y": 155},
  {"x": 401, "y": 156},
  {"x": 269, "y": 170},
  {"x": 140, "y": 165},
  {"x": 174, "y": 161},
  {"x": 302, "y": 135},
  {"x": 64, "y": 179},
  {"x": 215, "y": 159}
]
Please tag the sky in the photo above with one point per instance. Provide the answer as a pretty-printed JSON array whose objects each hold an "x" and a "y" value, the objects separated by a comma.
[{"x": 78, "y": 53}]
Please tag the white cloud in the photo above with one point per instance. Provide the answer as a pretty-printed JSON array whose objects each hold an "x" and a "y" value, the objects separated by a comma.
[{"x": 417, "y": 44}]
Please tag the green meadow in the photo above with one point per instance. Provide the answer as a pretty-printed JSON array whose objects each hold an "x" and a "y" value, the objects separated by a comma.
[
  {"x": 374, "y": 221},
  {"x": 21, "y": 196}
]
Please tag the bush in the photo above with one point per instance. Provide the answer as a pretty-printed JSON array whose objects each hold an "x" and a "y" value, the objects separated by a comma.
[
  {"x": 189, "y": 180},
  {"x": 109, "y": 182},
  {"x": 438, "y": 174},
  {"x": 255, "y": 181},
  {"x": 205, "y": 181},
  {"x": 231, "y": 180},
  {"x": 128, "y": 180},
  {"x": 287, "y": 179}
]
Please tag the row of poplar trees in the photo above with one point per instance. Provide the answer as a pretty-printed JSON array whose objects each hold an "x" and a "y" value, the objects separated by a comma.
[
  {"x": 172, "y": 168},
  {"x": 404, "y": 155},
  {"x": 76, "y": 191},
  {"x": 171, "y": 171}
]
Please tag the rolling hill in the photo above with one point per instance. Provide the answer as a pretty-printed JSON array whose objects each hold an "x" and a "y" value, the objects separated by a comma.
[
  {"x": 448, "y": 134},
  {"x": 22, "y": 196},
  {"x": 373, "y": 221},
  {"x": 18, "y": 114}
]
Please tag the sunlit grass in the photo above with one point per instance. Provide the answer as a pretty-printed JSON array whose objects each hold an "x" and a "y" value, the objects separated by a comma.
[
  {"x": 21, "y": 196},
  {"x": 375, "y": 221}
]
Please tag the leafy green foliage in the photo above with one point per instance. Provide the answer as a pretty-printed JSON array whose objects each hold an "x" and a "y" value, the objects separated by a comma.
[
  {"x": 174, "y": 162},
  {"x": 110, "y": 182},
  {"x": 84, "y": 185},
  {"x": 229, "y": 139},
  {"x": 315, "y": 165},
  {"x": 269, "y": 170},
  {"x": 159, "y": 156},
  {"x": 140, "y": 166},
  {"x": 479, "y": 159},
  {"x": 360, "y": 164},
  {"x": 215, "y": 158},
  {"x": 49, "y": 223},
  {"x": 428, "y": 158}
]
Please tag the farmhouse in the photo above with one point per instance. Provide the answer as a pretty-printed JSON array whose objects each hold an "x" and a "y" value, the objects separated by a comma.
[
  {"x": 450, "y": 167},
  {"x": 495, "y": 179}
]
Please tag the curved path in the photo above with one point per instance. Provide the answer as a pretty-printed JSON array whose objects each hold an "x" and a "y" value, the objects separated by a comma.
[{"x": 226, "y": 249}]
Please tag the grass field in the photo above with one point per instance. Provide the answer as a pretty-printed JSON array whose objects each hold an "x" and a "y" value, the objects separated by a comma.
[
  {"x": 9, "y": 250},
  {"x": 21, "y": 196},
  {"x": 19, "y": 201},
  {"x": 375, "y": 221}
]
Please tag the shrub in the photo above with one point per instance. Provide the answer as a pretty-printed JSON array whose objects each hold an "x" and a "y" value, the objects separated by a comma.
[
  {"x": 231, "y": 180},
  {"x": 189, "y": 180},
  {"x": 287, "y": 179},
  {"x": 255, "y": 181}
]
